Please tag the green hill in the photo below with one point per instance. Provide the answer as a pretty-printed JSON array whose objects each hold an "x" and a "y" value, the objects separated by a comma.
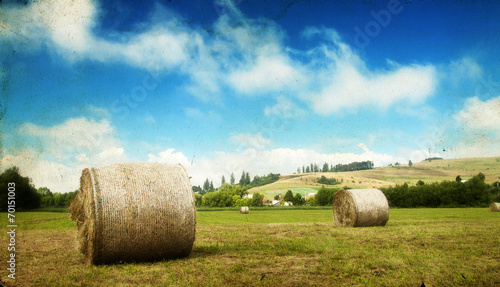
[{"x": 427, "y": 171}]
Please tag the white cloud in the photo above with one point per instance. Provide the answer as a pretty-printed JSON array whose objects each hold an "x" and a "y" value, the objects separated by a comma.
[
  {"x": 475, "y": 131},
  {"x": 255, "y": 141},
  {"x": 341, "y": 80},
  {"x": 74, "y": 136},
  {"x": 350, "y": 87},
  {"x": 268, "y": 73},
  {"x": 363, "y": 147},
  {"x": 56, "y": 176},
  {"x": 284, "y": 108},
  {"x": 66, "y": 23},
  {"x": 66, "y": 149},
  {"x": 169, "y": 156},
  {"x": 67, "y": 27},
  {"x": 477, "y": 114},
  {"x": 110, "y": 156},
  {"x": 478, "y": 146},
  {"x": 330, "y": 35},
  {"x": 158, "y": 49}
]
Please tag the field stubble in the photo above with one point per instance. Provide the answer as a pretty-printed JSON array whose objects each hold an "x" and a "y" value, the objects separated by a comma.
[{"x": 441, "y": 247}]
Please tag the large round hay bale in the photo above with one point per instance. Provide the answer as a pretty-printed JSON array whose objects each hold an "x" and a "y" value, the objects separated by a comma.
[
  {"x": 244, "y": 209},
  {"x": 135, "y": 212},
  {"x": 360, "y": 207},
  {"x": 495, "y": 207}
]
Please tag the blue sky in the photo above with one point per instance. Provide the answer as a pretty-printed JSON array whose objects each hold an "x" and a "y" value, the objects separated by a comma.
[{"x": 261, "y": 86}]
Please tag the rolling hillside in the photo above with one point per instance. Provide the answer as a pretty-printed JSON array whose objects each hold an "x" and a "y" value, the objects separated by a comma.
[{"x": 435, "y": 170}]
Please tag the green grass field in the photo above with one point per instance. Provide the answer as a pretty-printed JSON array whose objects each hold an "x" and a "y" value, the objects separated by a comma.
[{"x": 278, "y": 247}]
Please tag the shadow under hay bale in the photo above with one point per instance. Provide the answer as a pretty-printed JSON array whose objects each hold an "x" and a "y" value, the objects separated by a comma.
[
  {"x": 244, "y": 209},
  {"x": 134, "y": 212},
  {"x": 360, "y": 207},
  {"x": 495, "y": 207}
]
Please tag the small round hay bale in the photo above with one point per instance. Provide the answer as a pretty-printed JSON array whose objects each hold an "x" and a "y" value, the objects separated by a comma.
[
  {"x": 495, "y": 207},
  {"x": 244, "y": 209},
  {"x": 134, "y": 212},
  {"x": 360, "y": 207}
]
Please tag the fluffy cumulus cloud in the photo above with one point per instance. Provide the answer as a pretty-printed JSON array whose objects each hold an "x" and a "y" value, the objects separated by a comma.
[
  {"x": 74, "y": 135},
  {"x": 158, "y": 49},
  {"x": 66, "y": 27},
  {"x": 345, "y": 82},
  {"x": 66, "y": 24},
  {"x": 481, "y": 115},
  {"x": 245, "y": 55},
  {"x": 268, "y": 73},
  {"x": 478, "y": 146},
  {"x": 64, "y": 150},
  {"x": 169, "y": 156},
  {"x": 475, "y": 131},
  {"x": 351, "y": 89},
  {"x": 43, "y": 173}
]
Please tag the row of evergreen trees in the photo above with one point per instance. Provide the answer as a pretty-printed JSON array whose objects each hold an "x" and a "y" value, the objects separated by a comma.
[
  {"x": 336, "y": 168},
  {"x": 208, "y": 186}
]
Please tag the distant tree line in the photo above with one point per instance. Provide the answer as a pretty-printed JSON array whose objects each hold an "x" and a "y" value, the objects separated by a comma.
[
  {"x": 260, "y": 181},
  {"x": 228, "y": 196},
  {"x": 245, "y": 181},
  {"x": 49, "y": 199},
  {"x": 472, "y": 193},
  {"x": 27, "y": 196},
  {"x": 336, "y": 168}
]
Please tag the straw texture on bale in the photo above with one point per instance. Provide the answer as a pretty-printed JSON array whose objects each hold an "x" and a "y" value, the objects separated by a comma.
[
  {"x": 134, "y": 212},
  {"x": 244, "y": 209},
  {"x": 360, "y": 207},
  {"x": 495, "y": 207}
]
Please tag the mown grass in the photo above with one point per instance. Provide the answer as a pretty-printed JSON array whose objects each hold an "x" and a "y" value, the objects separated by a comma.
[{"x": 276, "y": 247}]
